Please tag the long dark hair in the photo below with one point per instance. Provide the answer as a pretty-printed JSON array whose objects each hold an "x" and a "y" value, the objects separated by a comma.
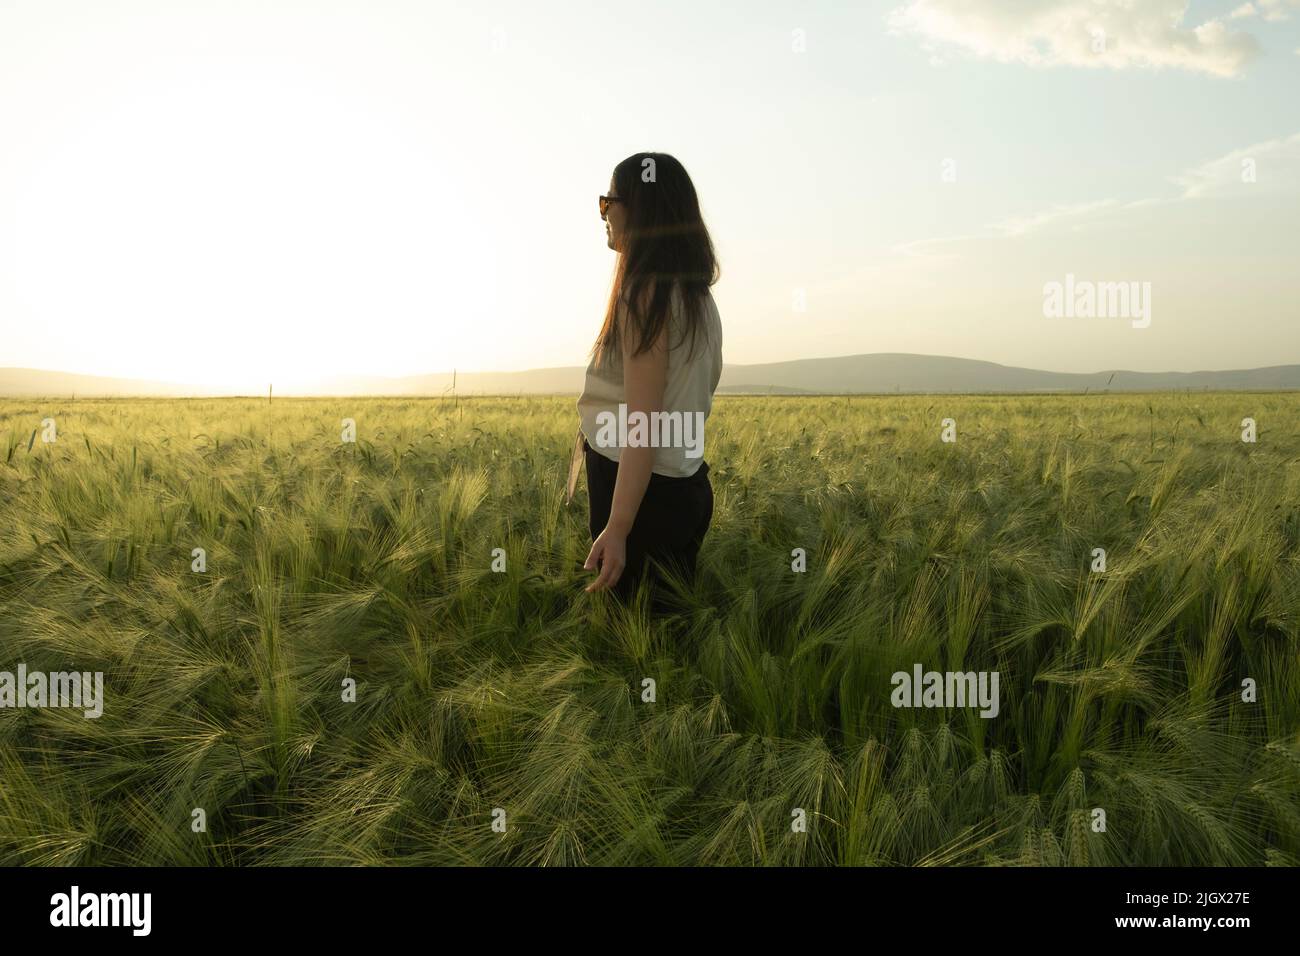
[{"x": 665, "y": 246}]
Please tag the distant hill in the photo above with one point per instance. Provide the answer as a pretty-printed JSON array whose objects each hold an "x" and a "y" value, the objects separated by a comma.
[
  {"x": 761, "y": 390},
  {"x": 904, "y": 372},
  {"x": 875, "y": 373},
  {"x": 24, "y": 382}
]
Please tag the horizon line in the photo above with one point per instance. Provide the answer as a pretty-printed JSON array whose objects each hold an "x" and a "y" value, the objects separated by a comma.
[{"x": 558, "y": 368}]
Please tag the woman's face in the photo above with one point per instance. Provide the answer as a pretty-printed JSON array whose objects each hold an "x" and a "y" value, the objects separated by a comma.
[{"x": 615, "y": 216}]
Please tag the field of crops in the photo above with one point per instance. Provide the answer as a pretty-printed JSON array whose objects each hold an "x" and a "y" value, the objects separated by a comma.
[{"x": 349, "y": 681}]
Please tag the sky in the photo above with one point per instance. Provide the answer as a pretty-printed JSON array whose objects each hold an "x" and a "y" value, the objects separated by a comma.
[{"x": 239, "y": 192}]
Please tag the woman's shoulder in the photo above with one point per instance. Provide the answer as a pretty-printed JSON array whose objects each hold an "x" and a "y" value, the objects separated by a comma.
[
  {"x": 677, "y": 301},
  {"x": 710, "y": 317}
]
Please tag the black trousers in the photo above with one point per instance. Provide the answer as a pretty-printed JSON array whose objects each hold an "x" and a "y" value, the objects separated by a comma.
[{"x": 669, "y": 527}]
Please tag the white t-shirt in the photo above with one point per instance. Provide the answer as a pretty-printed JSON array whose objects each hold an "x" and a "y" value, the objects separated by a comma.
[{"x": 678, "y": 433}]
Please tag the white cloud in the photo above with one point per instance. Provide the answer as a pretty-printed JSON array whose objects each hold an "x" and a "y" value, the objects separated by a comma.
[
  {"x": 1273, "y": 167},
  {"x": 1276, "y": 170},
  {"x": 1273, "y": 11},
  {"x": 1054, "y": 214},
  {"x": 1068, "y": 215},
  {"x": 1113, "y": 34}
]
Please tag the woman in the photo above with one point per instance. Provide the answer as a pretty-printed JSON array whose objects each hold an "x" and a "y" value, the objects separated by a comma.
[{"x": 658, "y": 351}]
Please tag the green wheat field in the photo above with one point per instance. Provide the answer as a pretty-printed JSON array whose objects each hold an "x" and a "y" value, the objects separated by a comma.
[{"x": 1149, "y": 713}]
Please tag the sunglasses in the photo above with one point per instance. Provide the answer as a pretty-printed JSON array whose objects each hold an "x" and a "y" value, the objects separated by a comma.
[{"x": 604, "y": 203}]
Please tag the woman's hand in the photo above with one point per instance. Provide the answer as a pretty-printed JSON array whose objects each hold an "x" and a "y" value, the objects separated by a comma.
[{"x": 610, "y": 551}]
